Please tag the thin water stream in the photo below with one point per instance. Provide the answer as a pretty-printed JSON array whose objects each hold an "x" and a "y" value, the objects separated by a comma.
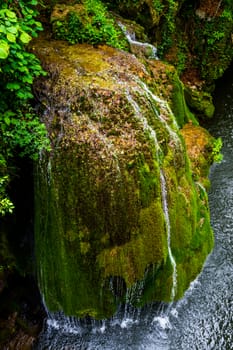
[{"x": 203, "y": 319}]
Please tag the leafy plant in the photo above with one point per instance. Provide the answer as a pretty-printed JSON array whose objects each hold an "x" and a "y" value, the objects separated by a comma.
[
  {"x": 91, "y": 25},
  {"x": 168, "y": 26},
  {"x": 216, "y": 150},
  {"x": 6, "y": 206},
  {"x": 21, "y": 132},
  {"x": 215, "y": 51},
  {"x": 158, "y": 5}
]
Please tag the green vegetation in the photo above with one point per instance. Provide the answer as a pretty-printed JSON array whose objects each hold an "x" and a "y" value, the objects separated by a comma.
[
  {"x": 6, "y": 206},
  {"x": 21, "y": 132},
  {"x": 214, "y": 35},
  {"x": 158, "y": 5},
  {"x": 99, "y": 214},
  {"x": 216, "y": 150},
  {"x": 168, "y": 26},
  {"x": 89, "y": 23}
]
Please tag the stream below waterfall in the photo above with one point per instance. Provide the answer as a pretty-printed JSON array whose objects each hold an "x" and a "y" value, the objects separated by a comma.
[{"x": 203, "y": 319}]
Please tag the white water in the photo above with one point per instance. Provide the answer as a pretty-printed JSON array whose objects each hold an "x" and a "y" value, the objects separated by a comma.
[
  {"x": 132, "y": 42},
  {"x": 153, "y": 136},
  {"x": 168, "y": 229},
  {"x": 146, "y": 126},
  {"x": 162, "y": 112},
  {"x": 165, "y": 115}
]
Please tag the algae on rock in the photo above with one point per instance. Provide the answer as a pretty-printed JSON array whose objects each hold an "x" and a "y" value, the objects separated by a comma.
[{"x": 98, "y": 201}]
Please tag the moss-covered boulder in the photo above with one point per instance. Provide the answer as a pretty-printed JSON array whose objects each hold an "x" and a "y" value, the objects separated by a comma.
[{"x": 103, "y": 215}]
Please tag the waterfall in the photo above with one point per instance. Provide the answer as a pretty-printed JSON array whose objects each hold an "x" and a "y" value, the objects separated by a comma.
[
  {"x": 168, "y": 229},
  {"x": 162, "y": 115},
  {"x": 153, "y": 136},
  {"x": 163, "y": 112},
  {"x": 146, "y": 126},
  {"x": 148, "y": 50}
]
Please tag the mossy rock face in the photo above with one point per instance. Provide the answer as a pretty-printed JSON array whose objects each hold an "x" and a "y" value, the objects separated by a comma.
[
  {"x": 199, "y": 145},
  {"x": 142, "y": 11},
  {"x": 199, "y": 101},
  {"x": 100, "y": 219}
]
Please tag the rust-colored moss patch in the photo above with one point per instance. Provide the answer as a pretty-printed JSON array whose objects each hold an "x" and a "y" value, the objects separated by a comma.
[{"x": 198, "y": 142}]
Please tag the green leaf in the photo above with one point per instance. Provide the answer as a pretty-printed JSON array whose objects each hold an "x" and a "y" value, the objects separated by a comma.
[
  {"x": 23, "y": 69},
  {"x": 25, "y": 38},
  {"x": 2, "y": 29},
  {"x": 10, "y": 14},
  {"x": 38, "y": 25},
  {"x": 27, "y": 79},
  {"x": 11, "y": 37},
  {"x": 4, "y": 49},
  {"x": 19, "y": 55},
  {"x": 13, "y": 86},
  {"x": 7, "y": 120},
  {"x": 24, "y": 95},
  {"x": 10, "y": 114},
  {"x": 33, "y": 2},
  {"x": 12, "y": 30}
]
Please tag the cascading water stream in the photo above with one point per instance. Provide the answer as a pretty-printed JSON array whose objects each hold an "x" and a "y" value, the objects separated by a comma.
[
  {"x": 168, "y": 229},
  {"x": 165, "y": 111},
  {"x": 149, "y": 49},
  {"x": 153, "y": 136}
]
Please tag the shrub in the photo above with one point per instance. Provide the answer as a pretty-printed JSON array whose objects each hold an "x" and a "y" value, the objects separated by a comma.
[
  {"x": 91, "y": 24},
  {"x": 20, "y": 129}
]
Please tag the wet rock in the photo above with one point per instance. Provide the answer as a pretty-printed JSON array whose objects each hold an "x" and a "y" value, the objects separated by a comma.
[
  {"x": 199, "y": 101},
  {"x": 99, "y": 201}
]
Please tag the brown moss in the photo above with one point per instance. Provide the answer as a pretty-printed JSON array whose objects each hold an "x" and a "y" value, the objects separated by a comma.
[{"x": 198, "y": 142}]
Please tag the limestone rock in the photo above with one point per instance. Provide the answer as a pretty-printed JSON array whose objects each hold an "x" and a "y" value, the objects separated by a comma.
[{"x": 100, "y": 224}]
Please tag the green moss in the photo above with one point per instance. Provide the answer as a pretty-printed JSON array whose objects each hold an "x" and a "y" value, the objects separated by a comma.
[
  {"x": 196, "y": 242},
  {"x": 68, "y": 281},
  {"x": 200, "y": 102},
  {"x": 191, "y": 236},
  {"x": 99, "y": 207},
  {"x": 147, "y": 247},
  {"x": 179, "y": 106},
  {"x": 148, "y": 179}
]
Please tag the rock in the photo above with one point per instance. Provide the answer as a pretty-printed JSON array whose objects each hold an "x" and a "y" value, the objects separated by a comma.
[
  {"x": 200, "y": 102},
  {"x": 199, "y": 145},
  {"x": 99, "y": 213}
]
